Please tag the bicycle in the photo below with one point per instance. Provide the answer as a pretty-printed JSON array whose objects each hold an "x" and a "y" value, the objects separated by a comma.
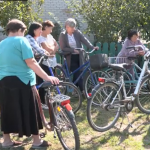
[
  {"x": 70, "y": 89},
  {"x": 90, "y": 76},
  {"x": 60, "y": 115},
  {"x": 129, "y": 80},
  {"x": 110, "y": 98}
]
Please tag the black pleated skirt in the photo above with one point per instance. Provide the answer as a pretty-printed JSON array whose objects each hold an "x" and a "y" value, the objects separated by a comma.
[{"x": 19, "y": 109}]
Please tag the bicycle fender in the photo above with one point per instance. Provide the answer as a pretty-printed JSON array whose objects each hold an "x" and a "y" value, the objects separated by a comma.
[
  {"x": 98, "y": 85},
  {"x": 70, "y": 113}
]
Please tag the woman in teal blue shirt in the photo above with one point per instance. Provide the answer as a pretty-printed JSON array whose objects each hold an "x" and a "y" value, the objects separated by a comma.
[{"x": 19, "y": 113}]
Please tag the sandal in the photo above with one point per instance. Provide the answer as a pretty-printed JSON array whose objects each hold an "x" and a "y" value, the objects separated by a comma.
[
  {"x": 15, "y": 143},
  {"x": 43, "y": 145}
]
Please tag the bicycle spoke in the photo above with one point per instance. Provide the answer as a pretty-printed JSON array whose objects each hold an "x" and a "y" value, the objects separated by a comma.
[{"x": 101, "y": 115}]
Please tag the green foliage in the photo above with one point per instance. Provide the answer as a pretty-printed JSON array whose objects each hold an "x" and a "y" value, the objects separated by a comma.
[
  {"x": 109, "y": 19},
  {"x": 26, "y": 11},
  {"x": 56, "y": 31}
]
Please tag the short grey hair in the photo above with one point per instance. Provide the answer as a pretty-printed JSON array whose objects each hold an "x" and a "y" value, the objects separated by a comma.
[{"x": 70, "y": 22}]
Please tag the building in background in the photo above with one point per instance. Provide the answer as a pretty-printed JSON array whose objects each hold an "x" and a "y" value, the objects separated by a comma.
[{"x": 59, "y": 13}]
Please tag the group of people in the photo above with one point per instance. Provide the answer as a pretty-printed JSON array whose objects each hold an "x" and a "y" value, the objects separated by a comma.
[{"x": 18, "y": 66}]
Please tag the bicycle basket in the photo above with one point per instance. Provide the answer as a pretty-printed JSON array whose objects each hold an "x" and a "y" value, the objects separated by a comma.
[{"x": 99, "y": 61}]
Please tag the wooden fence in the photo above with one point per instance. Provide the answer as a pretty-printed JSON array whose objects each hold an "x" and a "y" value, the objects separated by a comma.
[{"x": 111, "y": 49}]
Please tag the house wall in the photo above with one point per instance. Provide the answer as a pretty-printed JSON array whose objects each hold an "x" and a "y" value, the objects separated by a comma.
[
  {"x": 60, "y": 13},
  {"x": 57, "y": 7}
]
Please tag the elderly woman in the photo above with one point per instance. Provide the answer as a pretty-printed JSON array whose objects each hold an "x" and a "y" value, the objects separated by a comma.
[
  {"x": 131, "y": 40},
  {"x": 19, "y": 111},
  {"x": 69, "y": 40}
]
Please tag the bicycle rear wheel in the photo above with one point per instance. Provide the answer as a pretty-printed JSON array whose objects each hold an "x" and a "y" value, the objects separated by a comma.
[
  {"x": 142, "y": 99},
  {"x": 101, "y": 114},
  {"x": 90, "y": 83},
  {"x": 71, "y": 90},
  {"x": 66, "y": 128}
]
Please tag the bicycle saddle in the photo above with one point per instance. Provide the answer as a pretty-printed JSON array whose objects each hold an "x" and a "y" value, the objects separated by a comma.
[{"x": 118, "y": 67}]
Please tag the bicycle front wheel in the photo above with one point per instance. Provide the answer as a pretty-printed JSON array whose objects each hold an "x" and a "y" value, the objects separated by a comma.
[
  {"x": 142, "y": 100},
  {"x": 66, "y": 128},
  {"x": 101, "y": 114}
]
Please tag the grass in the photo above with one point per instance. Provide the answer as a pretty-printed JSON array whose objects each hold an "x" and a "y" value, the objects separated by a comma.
[{"x": 124, "y": 138}]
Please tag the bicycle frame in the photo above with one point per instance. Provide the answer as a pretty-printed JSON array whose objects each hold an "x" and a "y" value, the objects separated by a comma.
[
  {"x": 122, "y": 83},
  {"x": 87, "y": 68},
  {"x": 137, "y": 75},
  {"x": 135, "y": 68},
  {"x": 144, "y": 69},
  {"x": 51, "y": 102}
]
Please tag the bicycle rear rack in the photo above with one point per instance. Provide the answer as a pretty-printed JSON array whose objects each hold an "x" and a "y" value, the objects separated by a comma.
[{"x": 60, "y": 98}]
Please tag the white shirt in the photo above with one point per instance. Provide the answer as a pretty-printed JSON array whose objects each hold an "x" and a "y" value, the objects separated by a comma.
[
  {"x": 72, "y": 41},
  {"x": 51, "y": 62}
]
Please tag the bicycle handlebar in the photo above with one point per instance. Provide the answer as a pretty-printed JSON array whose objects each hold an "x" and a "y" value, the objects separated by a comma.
[
  {"x": 46, "y": 57},
  {"x": 85, "y": 51},
  {"x": 137, "y": 46},
  {"x": 43, "y": 57},
  {"x": 147, "y": 55},
  {"x": 46, "y": 84}
]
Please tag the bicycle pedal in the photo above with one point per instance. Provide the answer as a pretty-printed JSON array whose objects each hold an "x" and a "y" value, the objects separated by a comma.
[
  {"x": 42, "y": 135},
  {"x": 50, "y": 127},
  {"x": 54, "y": 136}
]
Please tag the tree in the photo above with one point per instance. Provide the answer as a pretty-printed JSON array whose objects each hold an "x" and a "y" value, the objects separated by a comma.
[
  {"x": 26, "y": 11},
  {"x": 109, "y": 19}
]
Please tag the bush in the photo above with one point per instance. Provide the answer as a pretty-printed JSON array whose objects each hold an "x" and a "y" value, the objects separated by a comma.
[
  {"x": 107, "y": 20},
  {"x": 56, "y": 31}
]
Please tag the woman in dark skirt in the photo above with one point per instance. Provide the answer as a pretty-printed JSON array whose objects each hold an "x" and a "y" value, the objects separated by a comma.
[{"x": 19, "y": 111}]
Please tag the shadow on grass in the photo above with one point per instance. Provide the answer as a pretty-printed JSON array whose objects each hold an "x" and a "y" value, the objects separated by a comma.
[
  {"x": 81, "y": 114},
  {"x": 146, "y": 139},
  {"x": 139, "y": 130},
  {"x": 105, "y": 138}
]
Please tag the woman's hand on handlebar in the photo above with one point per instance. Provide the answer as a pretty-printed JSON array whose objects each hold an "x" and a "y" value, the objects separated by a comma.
[
  {"x": 96, "y": 48},
  {"x": 76, "y": 51},
  {"x": 53, "y": 80},
  {"x": 141, "y": 53}
]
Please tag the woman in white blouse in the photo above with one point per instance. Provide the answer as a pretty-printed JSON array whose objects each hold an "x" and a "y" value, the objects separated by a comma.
[{"x": 48, "y": 43}]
